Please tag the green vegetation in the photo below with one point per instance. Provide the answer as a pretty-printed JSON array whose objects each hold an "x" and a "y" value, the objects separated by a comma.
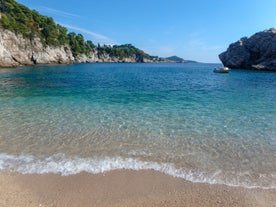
[
  {"x": 29, "y": 23},
  {"x": 124, "y": 51},
  {"x": 179, "y": 60},
  {"x": 175, "y": 59},
  {"x": 78, "y": 44}
]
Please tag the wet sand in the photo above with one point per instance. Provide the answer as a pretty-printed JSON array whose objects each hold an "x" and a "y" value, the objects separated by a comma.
[{"x": 123, "y": 188}]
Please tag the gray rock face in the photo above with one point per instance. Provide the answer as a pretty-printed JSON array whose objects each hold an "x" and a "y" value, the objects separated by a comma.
[
  {"x": 104, "y": 57},
  {"x": 16, "y": 50},
  {"x": 256, "y": 52}
]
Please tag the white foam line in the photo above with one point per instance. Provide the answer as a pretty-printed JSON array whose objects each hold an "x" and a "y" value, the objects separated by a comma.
[{"x": 59, "y": 163}]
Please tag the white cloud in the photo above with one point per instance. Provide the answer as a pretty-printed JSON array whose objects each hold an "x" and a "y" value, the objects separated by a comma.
[
  {"x": 99, "y": 38},
  {"x": 57, "y": 12}
]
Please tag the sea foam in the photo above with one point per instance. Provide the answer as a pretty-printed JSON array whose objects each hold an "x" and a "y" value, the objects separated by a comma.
[{"x": 61, "y": 164}]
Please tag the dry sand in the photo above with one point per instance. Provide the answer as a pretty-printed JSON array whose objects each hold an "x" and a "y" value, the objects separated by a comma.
[{"x": 123, "y": 188}]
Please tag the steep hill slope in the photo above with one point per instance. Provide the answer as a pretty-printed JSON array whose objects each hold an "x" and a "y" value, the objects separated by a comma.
[{"x": 30, "y": 38}]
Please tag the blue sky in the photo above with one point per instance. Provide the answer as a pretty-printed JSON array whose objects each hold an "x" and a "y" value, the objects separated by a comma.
[{"x": 192, "y": 29}]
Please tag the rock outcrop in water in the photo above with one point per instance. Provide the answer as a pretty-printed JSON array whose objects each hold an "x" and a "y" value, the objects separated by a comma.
[{"x": 256, "y": 52}]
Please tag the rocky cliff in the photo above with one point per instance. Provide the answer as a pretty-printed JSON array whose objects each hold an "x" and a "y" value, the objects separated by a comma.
[
  {"x": 256, "y": 52},
  {"x": 27, "y": 38},
  {"x": 96, "y": 56},
  {"x": 16, "y": 50}
]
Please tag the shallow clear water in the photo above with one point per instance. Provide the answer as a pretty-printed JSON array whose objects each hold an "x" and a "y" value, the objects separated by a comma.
[{"x": 181, "y": 119}]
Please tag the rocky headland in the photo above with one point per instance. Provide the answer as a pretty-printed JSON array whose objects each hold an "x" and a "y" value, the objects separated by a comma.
[
  {"x": 17, "y": 50},
  {"x": 29, "y": 38},
  {"x": 255, "y": 52}
]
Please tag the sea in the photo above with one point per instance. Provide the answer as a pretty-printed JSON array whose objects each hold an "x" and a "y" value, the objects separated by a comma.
[{"x": 180, "y": 119}]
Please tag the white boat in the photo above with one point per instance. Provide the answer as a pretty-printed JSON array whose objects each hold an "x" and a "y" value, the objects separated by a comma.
[{"x": 221, "y": 70}]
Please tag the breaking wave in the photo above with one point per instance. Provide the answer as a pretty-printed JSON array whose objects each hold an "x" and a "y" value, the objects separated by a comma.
[{"x": 61, "y": 164}]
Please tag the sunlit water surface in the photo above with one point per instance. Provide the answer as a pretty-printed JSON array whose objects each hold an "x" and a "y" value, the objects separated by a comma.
[{"x": 180, "y": 119}]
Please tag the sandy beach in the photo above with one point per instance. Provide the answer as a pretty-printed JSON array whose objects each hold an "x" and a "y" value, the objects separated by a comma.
[{"x": 123, "y": 188}]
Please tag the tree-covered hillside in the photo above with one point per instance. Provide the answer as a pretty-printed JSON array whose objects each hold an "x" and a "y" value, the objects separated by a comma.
[
  {"x": 124, "y": 51},
  {"x": 175, "y": 59},
  {"x": 29, "y": 23}
]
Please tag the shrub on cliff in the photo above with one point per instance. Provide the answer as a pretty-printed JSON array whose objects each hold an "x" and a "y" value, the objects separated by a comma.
[{"x": 124, "y": 51}]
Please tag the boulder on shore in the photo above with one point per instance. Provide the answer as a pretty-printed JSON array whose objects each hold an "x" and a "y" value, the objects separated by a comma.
[{"x": 256, "y": 52}]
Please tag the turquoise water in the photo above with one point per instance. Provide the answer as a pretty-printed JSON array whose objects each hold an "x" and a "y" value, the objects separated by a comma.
[{"x": 180, "y": 119}]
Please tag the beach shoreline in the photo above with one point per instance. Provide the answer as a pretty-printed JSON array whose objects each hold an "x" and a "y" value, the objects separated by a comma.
[{"x": 123, "y": 188}]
